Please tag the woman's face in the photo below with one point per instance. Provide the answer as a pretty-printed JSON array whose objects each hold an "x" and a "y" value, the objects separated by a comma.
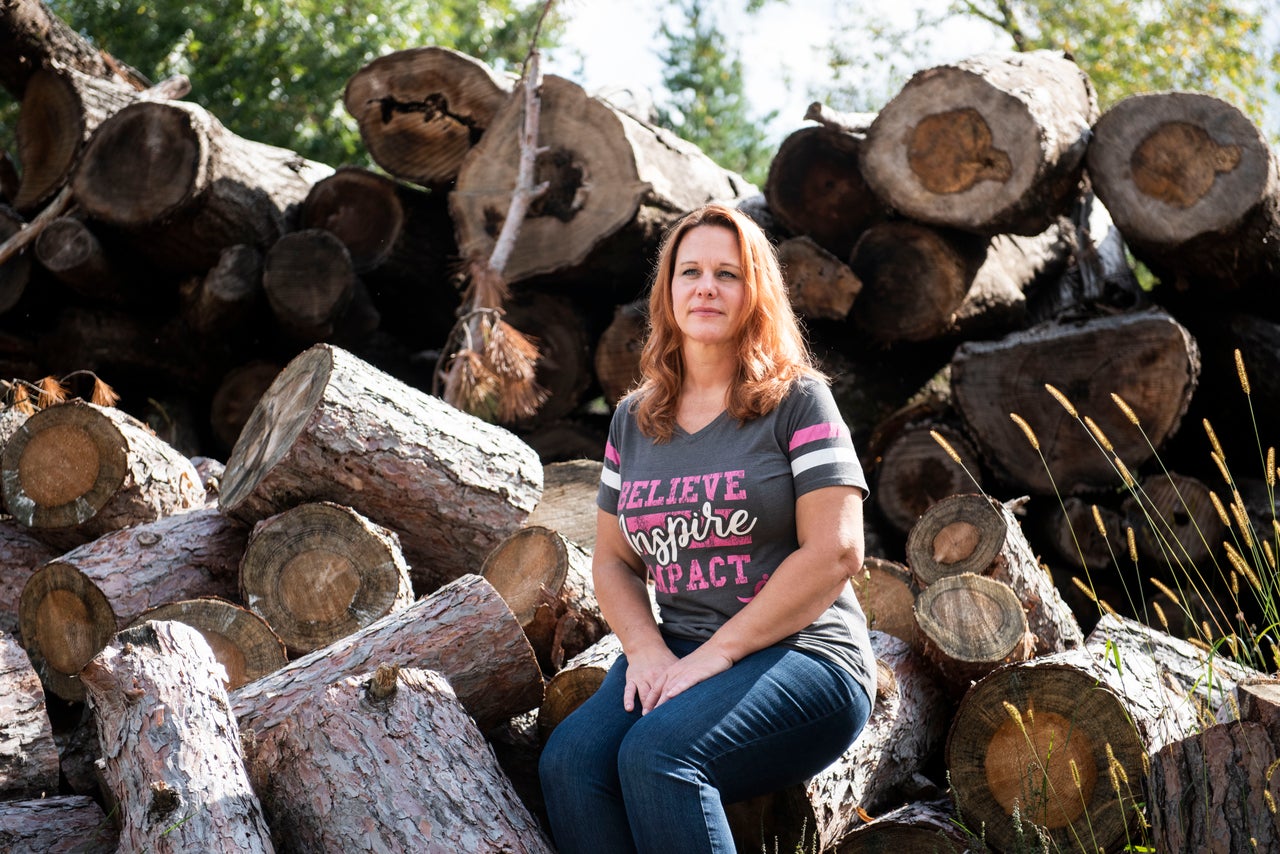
[{"x": 708, "y": 294}]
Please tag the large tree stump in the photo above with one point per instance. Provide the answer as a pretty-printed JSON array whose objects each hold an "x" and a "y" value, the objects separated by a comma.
[
  {"x": 70, "y": 824},
  {"x": 615, "y": 184},
  {"x": 321, "y": 571},
  {"x": 241, "y": 641},
  {"x": 1192, "y": 184},
  {"x": 971, "y": 624},
  {"x": 1145, "y": 358},
  {"x": 463, "y": 630},
  {"x": 72, "y": 606},
  {"x": 819, "y": 283},
  {"x": 170, "y": 750},
  {"x": 991, "y": 144},
  {"x": 28, "y": 754},
  {"x": 546, "y": 581},
  {"x": 20, "y": 555},
  {"x": 1055, "y": 738},
  {"x": 333, "y": 428},
  {"x": 74, "y": 471},
  {"x": 188, "y": 188},
  {"x": 421, "y": 110},
  {"x": 922, "y": 826},
  {"x": 569, "y": 499},
  {"x": 326, "y": 783}
]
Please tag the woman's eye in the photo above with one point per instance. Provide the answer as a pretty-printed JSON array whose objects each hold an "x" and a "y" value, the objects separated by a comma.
[
  {"x": 728, "y": 274},
  {"x": 689, "y": 271}
]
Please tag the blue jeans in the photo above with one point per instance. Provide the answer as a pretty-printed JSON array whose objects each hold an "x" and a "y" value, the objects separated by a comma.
[{"x": 617, "y": 782}]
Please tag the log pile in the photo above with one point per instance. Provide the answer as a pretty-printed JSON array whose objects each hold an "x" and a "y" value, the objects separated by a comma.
[{"x": 960, "y": 261}]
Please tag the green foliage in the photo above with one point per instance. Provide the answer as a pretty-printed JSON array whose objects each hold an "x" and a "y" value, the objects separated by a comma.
[
  {"x": 274, "y": 70},
  {"x": 708, "y": 103}
]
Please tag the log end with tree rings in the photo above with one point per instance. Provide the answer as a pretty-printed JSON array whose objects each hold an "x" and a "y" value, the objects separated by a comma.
[
  {"x": 321, "y": 571},
  {"x": 16, "y": 272},
  {"x": 309, "y": 282},
  {"x": 617, "y": 357},
  {"x": 50, "y": 132},
  {"x": 241, "y": 641},
  {"x": 1052, "y": 743},
  {"x": 972, "y": 619},
  {"x": 915, "y": 472},
  {"x": 1174, "y": 519},
  {"x": 142, "y": 164},
  {"x": 1171, "y": 166},
  {"x": 62, "y": 466},
  {"x": 959, "y": 533},
  {"x": 532, "y": 560},
  {"x": 886, "y": 591},
  {"x": 361, "y": 208},
  {"x": 819, "y": 283},
  {"x": 65, "y": 621}
]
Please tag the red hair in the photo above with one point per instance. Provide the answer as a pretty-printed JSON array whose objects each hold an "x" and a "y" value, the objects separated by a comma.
[{"x": 772, "y": 351}]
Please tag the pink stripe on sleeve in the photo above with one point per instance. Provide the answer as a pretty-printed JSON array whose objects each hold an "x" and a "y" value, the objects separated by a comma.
[
  {"x": 611, "y": 454},
  {"x": 829, "y": 430}
]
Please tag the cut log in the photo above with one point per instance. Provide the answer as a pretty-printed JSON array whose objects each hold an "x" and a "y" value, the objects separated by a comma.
[
  {"x": 924, "y": 826},
  {"x": 569, "y": 500},
  {"x": 236, "y": 396},
  {"x": 907, "y": 725},
  {"x": 518, "y": 750},
  {"x": 71, "y": 251},
  {"x": 615, "y": 184},
  {"x": 617, "y": 359},
  {"x": 815, "y": 188},
  {"x": 28, "y": 754},
  {"x": 186, "y": 186},
  {"x": 333, "y": 428},
  {"x": 574, "y": 683},
  {"x": 991, "y": 144},
  {"x": 1145, "y": 358},
  {"x": 309, "y": 282},
  {"x": 978, "y": 534},
  {"x": 567, "y": 439},
  {"x": 75, "y": 471},
  {"x": 325, "y": 781},
  {"x": 1174, "y": 521},
  {"x": 169, "y": 747},
  {"x": 1072, "y": 530},
  {"x": 15, "y": 273},
  {"x": 546, "y": 581},
  {"x": 1257, "y": 699},
  {"x": 32, "y": 38},
  {"x": 971, "y": 625},
  {"x": 819, "y": 283},
  {"x": 463, "y": 630},
  {"x": 1192, "y": 184},
  {"x": 564, "y": 367},
  {"x": 886, "y": 590},
  {"x": 20, "y": 555},
  {"x": 227, "y": 301},
  {"x": 421, "y": 110},
  {"x": 79, "y": 752},
  {"x": 914, "y": 471},
  {"x": 1214, "y": 792},
  {"x": 70, "y": 824},
  {"x": 320, "y": 571},
  {"x": 1053, "y": 738},
  {"x": 72, "y": 606},
  {"x": 241, "y": 641}
]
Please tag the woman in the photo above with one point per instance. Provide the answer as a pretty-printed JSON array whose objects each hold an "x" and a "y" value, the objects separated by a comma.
[{"x": 730, "y": 480}]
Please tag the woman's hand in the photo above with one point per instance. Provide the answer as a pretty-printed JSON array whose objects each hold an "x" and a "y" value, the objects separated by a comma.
[
  {"x": 703, "y": 663},
  {"x": 646, "y": 671}
]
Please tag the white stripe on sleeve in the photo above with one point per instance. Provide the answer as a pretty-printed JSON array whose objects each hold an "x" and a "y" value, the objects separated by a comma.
[
  {"x": 611, "y": 478},
  {"x": 827, "y": 456}
]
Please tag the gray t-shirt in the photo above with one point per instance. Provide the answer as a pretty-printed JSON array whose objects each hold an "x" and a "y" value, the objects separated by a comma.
[{"x": 712, "y": 514}]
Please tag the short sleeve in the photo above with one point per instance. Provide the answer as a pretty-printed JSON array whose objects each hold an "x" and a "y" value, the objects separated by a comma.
[
  {"x": 611, "y": 473},
  {"x": 818, "y": 442}
]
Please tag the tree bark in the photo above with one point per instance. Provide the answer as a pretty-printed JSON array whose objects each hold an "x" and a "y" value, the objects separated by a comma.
[
  {"x": 28, "y": 755},
  {"x": 227, "y": 302},
  {"x": 170, "y": 752},
  {"x": 617, "y": 359},
  {"x": 921, "y": 826},
  {"x": 333, "y": 428},
  {"x": 69, "y": 824},
  {"x": 242, "y": 642},
  {"x": 326, "y": 786},
  {"x": 463, "y": 630},
  {"x": 20, "y": 555},
  {"x": 569, "y": 500},
  {"x": 320, "y": 571},
  {"x": 971, "y": 624},
  {"x": 991, "y": 144},
  {"x": 819, "y": 283},
  {"x": 75, "y": 471},
  {"x": 1147, "y": 359},
  {"x": 421, "y": 110},
  {"x": 32, "y": 38},
  {"x": 72, "y": 606}
]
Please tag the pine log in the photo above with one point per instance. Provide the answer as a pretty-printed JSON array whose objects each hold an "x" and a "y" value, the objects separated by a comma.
[
  {"x": 1145, "y": 358},
  {"x": 170, "y": 751},
  {"x": 76, "y": 470},
  {"x": 971, "y": 624},
  {"x": 320, "y": 571},
  {"x": 886, "y": 590},
  {"x": 72, "y": 606},
  {"x": 463, "y": 630},
  {"x": 1085, "y": 533},
  {"x": 421, "y": 110},
  {"x": 569, "y": 499},
  {"x": 1213, "y": 792},
  {"x": 70, "y": 250},
  {"x": 914, "y": 471},
  {"x": 68, "y": 824},
  {"x": 992, "y": 144},
  {"x": 564, "y": 367},
  {"x": 325, "y": 781},
  {"x": 906, "y": 727},
  {"x": 928, "y": 826},
  {"x": 1174, "y": 521},
  {"x": 574, "y": 683},
  {"x": 1192, "y": 184},
  {"x": 333, "y": 428},
  {"x": 815, "y": 188},
  {"x": 28, "y": 754},
  {"x": 188, "y": 188},
  {"x": 617, "y": 359},
  {"x": 236, "y": 396},
  {"x": 546, "y": 581},
  {"x": 309, "y": 282},
  {"x": 20, "y": 555},
  {"x": 227, "y": 301},
  {"x": 615, "y": 184},
  {"x": 15, "y": 273},
  {"x": 241, "y": 641},
  {"x": 819, "y": 283},
  {"x": 1256, "y": 699},
  {"x": 78, "y": 753},
  {"x": 1025, "y": 734},
  {"x": 33, "y": 38}
]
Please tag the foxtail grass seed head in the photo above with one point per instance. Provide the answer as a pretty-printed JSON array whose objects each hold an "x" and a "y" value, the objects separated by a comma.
[
  {"x": 1124, "y": 473},
  {"x": 1222, "y": 510},
  {"x": 1271, "y": 801},
  {"x": 1075, "y": 775},
  {"x": 1271, "y": 466},
  {"x": 1165, "y": 589},
  {"x": 1084, "y": 588},
  {"x": 946, "y": 446},
  {"x": 1164, "y": 621},
  {"x": 1107, "y": 609},
  {"x": 1213, "y": 438},
  {"x": 1202, "y": 646},
  {"x": 1270, "y": 555},
  {"x": 1271, "y": 769},
  {"x": 1240, "y": 371},
  {"x": 1026, "y": 429},
  {"x": 1097, "y": 520},
  {"x": 1015, "y": 715},
  {"x": 1099, "y": 435},
  {"x": 1221, "y": 463},
  {"x": 1133, "y": 544},
  {"x": 1146, "y": 764},
  {"x": 1126, "y": 409},
  {"x": 1062, "y": 399},
  {"x": 1235, "y": 584},
  {"x": 1242, "y": 519}
]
